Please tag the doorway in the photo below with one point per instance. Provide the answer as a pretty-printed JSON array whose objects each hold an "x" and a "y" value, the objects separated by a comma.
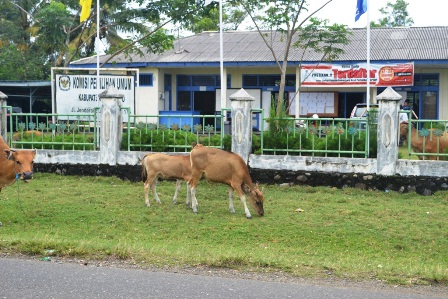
[
  {"x": 347, "y": 101},
  {"x": 205, "y": 102}
]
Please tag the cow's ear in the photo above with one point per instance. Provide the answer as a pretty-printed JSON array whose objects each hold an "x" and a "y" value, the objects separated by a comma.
[
  {"x": 246, "y": 189},
  {"x": 8, "y": 153},
  {"x": 34, "y": 152}
]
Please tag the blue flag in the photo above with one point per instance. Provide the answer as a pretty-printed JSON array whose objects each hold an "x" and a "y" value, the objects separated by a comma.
[{"x": 361, "y": 7}]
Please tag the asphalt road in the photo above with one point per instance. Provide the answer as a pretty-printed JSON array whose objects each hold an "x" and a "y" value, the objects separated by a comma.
[{"x": 42, "y": 279}]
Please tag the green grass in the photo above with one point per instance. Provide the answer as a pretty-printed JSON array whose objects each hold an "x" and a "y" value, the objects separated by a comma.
[{"x": 357, "y": 234}]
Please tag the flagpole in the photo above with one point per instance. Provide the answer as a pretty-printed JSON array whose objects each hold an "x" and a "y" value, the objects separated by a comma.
[
  {"x": 221, "y": 61},
  {"x": 98, "y": 48},
  {"x": 368, "y": 55}
]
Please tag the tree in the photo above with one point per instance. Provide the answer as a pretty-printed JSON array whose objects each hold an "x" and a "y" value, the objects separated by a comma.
[
  {"x": 17, "y": 64},
  {"x": 306, "y": 33},
  {"x": 19, "y": 59},
  {"x": 395, "y": 15},
  {"x": 52, "y": 16},
  {"x": 53, "y": 27},
  {"x": 207, "y": 19}
]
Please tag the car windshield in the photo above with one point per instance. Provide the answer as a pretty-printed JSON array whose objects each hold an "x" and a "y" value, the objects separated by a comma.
[{"x": 360, "y": 111}]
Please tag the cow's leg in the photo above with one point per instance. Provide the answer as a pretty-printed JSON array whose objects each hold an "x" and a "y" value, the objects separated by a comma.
[
  {"x": 146, "y": 188},
  {"x": 194, "y": 201},
  {"x": 153, "y": 188},
  {"x": 243, "y": 200},
  {"x": 194, "y": 180},
  {"x": 231, "y": 207},
  {"x": 188, "y": 195},
  {"x": 246, "y": 210},
  {"x": 178, "y": 183}
]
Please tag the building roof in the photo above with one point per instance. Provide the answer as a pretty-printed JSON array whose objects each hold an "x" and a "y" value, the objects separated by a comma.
[{"x": 426, "y": 46}]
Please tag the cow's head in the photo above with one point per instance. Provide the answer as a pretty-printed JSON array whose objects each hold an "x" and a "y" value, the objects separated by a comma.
[
  {"x": 23, "y": 162},
  {"x": 256, "y": 199},
  {"x": 403, "y": 129}
]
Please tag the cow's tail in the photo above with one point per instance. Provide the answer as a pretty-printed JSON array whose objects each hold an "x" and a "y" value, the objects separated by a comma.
[{"x": 144, "y": 170}]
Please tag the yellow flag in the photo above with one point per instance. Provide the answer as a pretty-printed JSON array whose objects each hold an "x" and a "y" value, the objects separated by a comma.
[{"x": 85, "y": 10}]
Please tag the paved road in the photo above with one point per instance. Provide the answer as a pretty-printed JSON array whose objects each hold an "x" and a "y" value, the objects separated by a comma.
[{"x": 38, "y": 279}]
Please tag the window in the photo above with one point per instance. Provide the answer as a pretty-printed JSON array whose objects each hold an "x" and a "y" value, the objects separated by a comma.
[
  {"x": 204, "y": 81},
  {"x": 183, "y": 80},
  {"x": 267, "y": 80},
  {"x": 426, "y": 80},
  {"x": 184, "y": 101},
  {"x": 250, "y": 80},
  {"x": 146, "y": 79}
]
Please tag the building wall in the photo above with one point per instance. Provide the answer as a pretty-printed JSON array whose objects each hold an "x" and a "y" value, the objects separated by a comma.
[{"x": 148, "y": 97}]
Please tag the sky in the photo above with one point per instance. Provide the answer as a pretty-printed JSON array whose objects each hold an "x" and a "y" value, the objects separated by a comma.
[{"x": 423, "y": 12}]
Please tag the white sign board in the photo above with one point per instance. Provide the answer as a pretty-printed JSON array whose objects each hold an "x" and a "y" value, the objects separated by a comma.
[
  {"x": 78, "y": 94},
  {"x": 320, "y": 103}
]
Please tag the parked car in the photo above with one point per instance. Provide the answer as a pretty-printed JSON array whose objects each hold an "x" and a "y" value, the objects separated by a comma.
[{"x": 360, "y": 112}]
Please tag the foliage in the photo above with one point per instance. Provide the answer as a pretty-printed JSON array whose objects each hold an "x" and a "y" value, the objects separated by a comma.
[
  {"x": 54, "y": 15},
  {"x": 163, "y": 140},
  {"x": 95, "y": 218},
  {"x": 26, "y": 64},
  {"x": 289, "y": 19},
  {"x": 52, "y": 30},
  {"x": 395, "y": 14},
  {"x": 59, "y": 141},
  {"x": 208, "y": 18},
  {"x": 318, "y": 141},
  {"x": 279, "y": 120}
]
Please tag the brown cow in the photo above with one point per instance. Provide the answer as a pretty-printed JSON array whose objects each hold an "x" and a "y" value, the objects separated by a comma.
[
  {"x": 165, "y": 166},
  {"x": 15, "y": 164},
  {"x": 224, "y": 167},
  {"x": 430, "y": 142}
]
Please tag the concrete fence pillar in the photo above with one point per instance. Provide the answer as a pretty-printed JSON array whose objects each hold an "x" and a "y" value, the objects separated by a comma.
[
  {"x": 241, "y": 105},
  {"x": 388, "y": 131},
  {"x": 111, "y": 130}
]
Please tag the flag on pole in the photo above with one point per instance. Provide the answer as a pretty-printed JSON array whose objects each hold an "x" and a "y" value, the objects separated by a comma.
[
  {"x": 85, "y": 9},
  {"x": 361, "y": 7}
]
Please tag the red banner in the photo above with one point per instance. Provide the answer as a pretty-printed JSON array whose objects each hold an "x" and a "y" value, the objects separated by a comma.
[{"x": 355, "y": 75}]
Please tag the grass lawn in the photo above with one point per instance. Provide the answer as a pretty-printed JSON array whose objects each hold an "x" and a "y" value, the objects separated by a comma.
[{"x": 350, "y": 233}]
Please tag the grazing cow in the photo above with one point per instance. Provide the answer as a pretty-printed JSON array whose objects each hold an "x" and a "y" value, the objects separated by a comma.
[
  {"x": 165, "y": 166},
  {"x": 224, "y": 167},
  {"x": 15, "y": 164},
  {"x": 430, "y": 143}
]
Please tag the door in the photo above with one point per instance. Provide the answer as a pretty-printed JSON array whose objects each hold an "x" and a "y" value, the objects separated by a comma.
[
  {"x": 429, "y": 105},
  {"x": 205, "y": 103}
]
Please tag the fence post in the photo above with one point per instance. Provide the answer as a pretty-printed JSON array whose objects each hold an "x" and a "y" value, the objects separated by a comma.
[
  {"x": 241, "y": 104},
  {"x": 111, "y": 130},
  {"x": 3, "y": 118},
  {"x": 388, "y": 131}
]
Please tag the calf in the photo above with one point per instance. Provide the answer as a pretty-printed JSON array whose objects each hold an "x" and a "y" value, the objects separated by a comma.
[
  {"x": 224, "y": 167},
  {"x": 15, "y": 164},
  {"x": 165, "y": 166}
]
